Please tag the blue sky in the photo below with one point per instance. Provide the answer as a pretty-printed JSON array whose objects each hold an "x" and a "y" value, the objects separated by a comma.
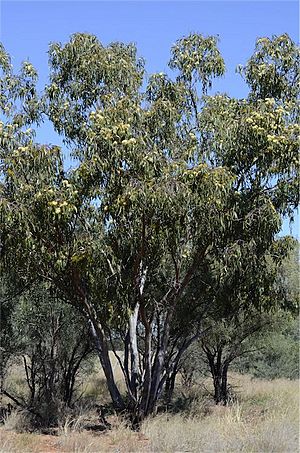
[{"x": 27, "y": 28}]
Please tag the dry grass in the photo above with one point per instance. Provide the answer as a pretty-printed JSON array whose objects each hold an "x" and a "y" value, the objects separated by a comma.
[
  {"x": 120, "y": 439},
  {"x": 264, "y": 419},
  {"x": 17, "y": 421},
  {"x": 26, "y": 443}
]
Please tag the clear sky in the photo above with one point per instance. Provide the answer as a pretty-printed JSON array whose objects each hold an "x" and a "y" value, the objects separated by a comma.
[{"x": 27, "y": 28}]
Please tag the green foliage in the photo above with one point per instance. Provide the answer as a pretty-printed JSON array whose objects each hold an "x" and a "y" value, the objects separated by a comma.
[
  {"x": 288, "y": 279},
  {"x": 276, "y": 355},
  {"x": 272, "y": 70},
  {"x": 197, "y": 59}
]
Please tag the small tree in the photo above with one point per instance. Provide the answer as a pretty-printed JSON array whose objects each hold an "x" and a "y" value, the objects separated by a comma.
[
  {"x": 248, "y": 309},
  {"x": 242, "y": 295},
  {"x": 228, "y": 342},
  {"x": 276, "y": 350},
  {"x": 52, "y": 341}
]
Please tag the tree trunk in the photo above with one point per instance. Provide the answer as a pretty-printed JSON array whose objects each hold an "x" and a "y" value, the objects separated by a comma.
[
  {"x": 217, "y": 388},
  {"x": 158, "y": 365},
  {"x": 220, "y": 385},
  {"x": 147, "y": 368},
  {"x": 170, "y": 385},
  {"x": 134, "y": 353},
  {"x": 103, "y": 354},
  {"x": 224, "y": 388},
  {"x": 218, "y": 369},
  {"x": 101, "y": 346}
]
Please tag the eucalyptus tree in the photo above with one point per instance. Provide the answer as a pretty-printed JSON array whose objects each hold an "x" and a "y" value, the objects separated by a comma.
[{"x": 167, "y": 180}]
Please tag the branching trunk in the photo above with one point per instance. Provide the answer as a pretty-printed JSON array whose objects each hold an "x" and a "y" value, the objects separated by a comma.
[
  {"x": 20, "y": 404},
  {"x": 145, "y": 379},
  {"x": 219, "y": 370}
]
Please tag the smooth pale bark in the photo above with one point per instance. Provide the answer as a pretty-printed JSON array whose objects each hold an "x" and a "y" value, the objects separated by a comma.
[
  {"x": 147, "y": 364},
  {"x": 135, "y": 372}
]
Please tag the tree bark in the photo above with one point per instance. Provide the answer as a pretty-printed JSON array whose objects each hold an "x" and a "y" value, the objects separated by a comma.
[
  {"x": 219, "y": 372},
  {"x": 134, "y": 353},
  {"x": 159, "y": 363},
  {"x": 101, "y": 346},
  {"x": 103, "y": 354},
  {"x": 224, "y": 388},
  {"x": 147, "y": 364}
]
